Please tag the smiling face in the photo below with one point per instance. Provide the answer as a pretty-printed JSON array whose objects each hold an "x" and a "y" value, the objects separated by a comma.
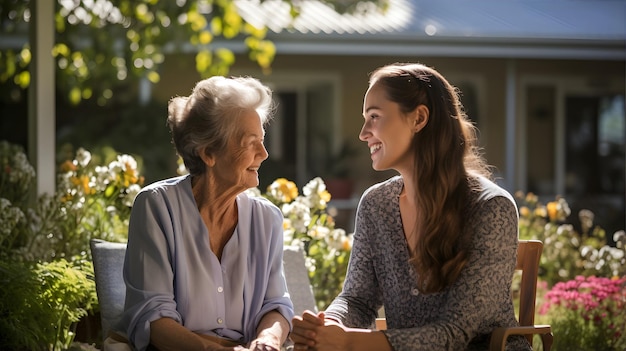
[
  {"x": 387, "y": 131},
  {"x": 238, "y": 165}
]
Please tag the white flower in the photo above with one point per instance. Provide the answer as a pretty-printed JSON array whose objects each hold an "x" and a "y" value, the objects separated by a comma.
[
  {"x": 299, "y": 214},
  {"x": 103, "y": 177},
  {"x": 319, "y": 232},
  {"x": 127, "y": 162},
  {"x": 131, "y": 194},
  {"x": 83, "y": 157}
]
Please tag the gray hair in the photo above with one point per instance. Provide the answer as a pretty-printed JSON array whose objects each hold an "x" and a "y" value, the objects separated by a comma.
[{"x": 206, "y": 119}]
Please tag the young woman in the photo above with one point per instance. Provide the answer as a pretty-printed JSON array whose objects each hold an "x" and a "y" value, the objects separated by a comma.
[{"x": 435, "y": 245}]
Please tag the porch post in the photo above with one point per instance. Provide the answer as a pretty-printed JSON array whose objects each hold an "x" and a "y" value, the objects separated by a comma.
[
  {"x": 511, "y": 178},
  {"x": 41, "y": 96}
]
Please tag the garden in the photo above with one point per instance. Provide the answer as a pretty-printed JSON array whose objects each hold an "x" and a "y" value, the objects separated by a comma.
[{"x": 47, "y": 287}]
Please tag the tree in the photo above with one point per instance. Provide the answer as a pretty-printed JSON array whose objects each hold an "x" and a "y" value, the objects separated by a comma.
[{"x": 102, "y": 45}]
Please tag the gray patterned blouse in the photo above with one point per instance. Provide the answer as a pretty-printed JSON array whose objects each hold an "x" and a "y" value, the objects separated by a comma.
[{"x": 460, "y": 317}]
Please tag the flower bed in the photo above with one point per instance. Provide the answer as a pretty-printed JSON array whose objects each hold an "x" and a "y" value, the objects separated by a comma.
[{"x": 587, "y": 313}]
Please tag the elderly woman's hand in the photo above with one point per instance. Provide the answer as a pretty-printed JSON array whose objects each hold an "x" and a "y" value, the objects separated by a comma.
[{"x": 266, "y": 342}]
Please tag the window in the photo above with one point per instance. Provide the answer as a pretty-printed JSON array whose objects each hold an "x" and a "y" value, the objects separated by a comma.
[
  {"x": 303, "y": 131},
  {"x": 595, "y": 157}
]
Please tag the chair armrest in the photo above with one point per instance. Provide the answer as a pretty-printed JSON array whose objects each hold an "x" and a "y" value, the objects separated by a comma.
[
  {"x": 499, "y": 335},
  {"x": 381, "y": 323}
]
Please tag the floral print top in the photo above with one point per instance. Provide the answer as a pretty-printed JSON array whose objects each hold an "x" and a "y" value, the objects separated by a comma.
[{"x": 461, "y": 316}]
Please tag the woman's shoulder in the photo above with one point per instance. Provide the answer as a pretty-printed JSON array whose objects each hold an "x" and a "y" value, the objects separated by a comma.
[
  {"x": 489, "y": 189},
  {"x": 258, "y": 203},
  {"x": 385, "y": 189},
  {"x": 166, "y": 184},
  {"x": 165, "y": 187}
]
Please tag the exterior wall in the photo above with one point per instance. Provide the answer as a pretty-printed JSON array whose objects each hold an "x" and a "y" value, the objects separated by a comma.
[{"x": 488, "y": 76}]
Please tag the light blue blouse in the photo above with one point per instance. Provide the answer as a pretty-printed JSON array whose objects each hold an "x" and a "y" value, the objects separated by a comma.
[{"x": 170, "y": 270}]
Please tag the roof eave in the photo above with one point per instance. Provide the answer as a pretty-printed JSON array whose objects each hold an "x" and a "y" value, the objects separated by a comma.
[{"x": 380, "y": 45}]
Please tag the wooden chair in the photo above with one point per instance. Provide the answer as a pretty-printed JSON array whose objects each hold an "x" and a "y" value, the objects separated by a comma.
[{"x": 528, "y": 256}]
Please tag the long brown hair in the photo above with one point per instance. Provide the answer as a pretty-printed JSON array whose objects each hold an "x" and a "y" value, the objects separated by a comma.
[{"x": 446, "y": 156}]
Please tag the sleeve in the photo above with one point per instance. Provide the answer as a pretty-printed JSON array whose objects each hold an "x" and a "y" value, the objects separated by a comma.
[
  {"x": 148, "y": 271},
  {"x": 477, "y": 298},
  {"x": 358, "y": 303},
  {"x": 276, "y": 295}
]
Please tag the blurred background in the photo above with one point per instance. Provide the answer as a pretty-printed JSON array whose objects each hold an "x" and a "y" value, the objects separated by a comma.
[{"x": 543, "y": 80}]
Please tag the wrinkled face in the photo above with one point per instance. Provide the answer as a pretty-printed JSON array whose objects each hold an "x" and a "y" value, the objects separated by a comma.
[
  {"x": 238, "y": 165},
  {"x": 387, "y": 131}
]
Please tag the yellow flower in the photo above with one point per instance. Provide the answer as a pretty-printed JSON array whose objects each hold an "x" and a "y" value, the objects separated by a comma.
[
  {"x": 531, "y": 198},
  {"x": 325, "y": 195},
  {"x": 540, "y": 211},
  {"x": 283, "y": 190},
  {"x": 553, "y": 210},
  {"x": 84, "y": 182},
  {"x": 286, "y": 223},
  {"x": 524, "y": 211},
  {"x": 68, "y": 166},
  {"x": 346, "y": 243}
]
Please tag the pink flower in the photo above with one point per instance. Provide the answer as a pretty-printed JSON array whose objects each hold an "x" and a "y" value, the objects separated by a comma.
[{"x": 594, "y": 298}]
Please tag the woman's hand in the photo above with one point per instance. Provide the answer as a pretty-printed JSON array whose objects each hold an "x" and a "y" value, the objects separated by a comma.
[
  {"x": 303, "y": 333},
  {"x": 267, "y": 342},
  {"x": 272, "y": 331},
  {"x": 313, "y": 332}
]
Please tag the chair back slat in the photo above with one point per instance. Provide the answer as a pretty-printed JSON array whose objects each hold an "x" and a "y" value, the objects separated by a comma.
[
  {"x": 528, "y": 257},
  {"x": 108, "y": 263}
]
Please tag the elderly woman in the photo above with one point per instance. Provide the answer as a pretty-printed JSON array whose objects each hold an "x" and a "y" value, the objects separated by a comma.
[{"x": 203, "y": 267}]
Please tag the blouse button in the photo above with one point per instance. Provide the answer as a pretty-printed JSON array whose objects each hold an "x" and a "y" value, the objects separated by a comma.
[
  {"x": 220, "y": 289},
  {"x": 415, "y": 292},
  {"x": 220, "y": 321}
]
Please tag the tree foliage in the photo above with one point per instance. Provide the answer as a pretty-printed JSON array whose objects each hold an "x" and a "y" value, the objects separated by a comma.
[{"x": 101, "y": 45}]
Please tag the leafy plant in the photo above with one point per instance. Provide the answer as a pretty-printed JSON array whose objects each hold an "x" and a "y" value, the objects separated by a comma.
[
  {"x": 40, "y": 303},
  {"x": 16, "y": 175},
  {"x": 308, "y": 225}
]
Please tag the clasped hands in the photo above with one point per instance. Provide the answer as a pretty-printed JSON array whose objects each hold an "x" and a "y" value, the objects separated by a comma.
[{"x": 313, "y": 332}]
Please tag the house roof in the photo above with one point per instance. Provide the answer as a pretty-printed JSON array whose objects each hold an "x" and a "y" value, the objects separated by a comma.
[{"x": 577, "y": 29}]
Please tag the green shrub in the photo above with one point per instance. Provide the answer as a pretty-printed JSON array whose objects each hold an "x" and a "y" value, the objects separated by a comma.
[
  {"x": 40, "y": 303},
  {"x": 46, "y": 281}
]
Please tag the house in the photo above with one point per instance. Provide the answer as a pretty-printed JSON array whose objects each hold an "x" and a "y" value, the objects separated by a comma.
[{"x": 543, "y": 80}]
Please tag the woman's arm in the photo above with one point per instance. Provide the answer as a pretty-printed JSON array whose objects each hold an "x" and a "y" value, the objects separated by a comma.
[
  {"x": 358, "y": 303},
  {"x": 147, "y": 268},
  {"x": 272, "y": 332},
  {"x": 168, "y": 335}
]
